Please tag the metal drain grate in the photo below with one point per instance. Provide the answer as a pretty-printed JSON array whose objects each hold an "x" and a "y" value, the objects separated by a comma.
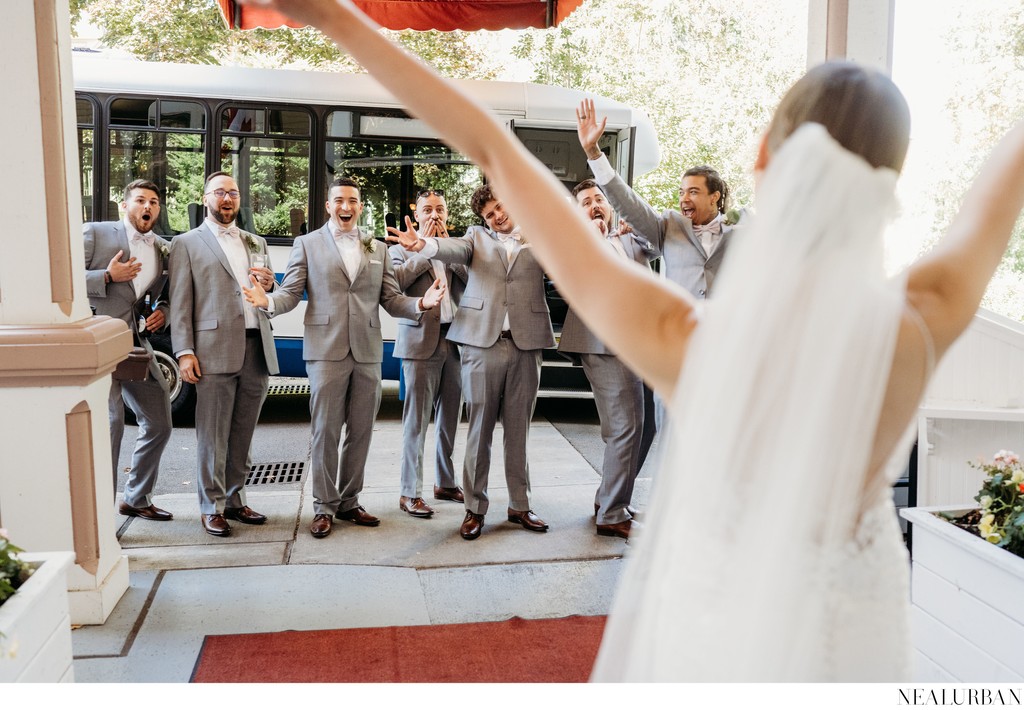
[
  {"x": 279, "y": 472},
  {"x": 277, "y": 390}
]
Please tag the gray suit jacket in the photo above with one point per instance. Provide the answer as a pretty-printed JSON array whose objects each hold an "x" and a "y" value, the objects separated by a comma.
[
  {"x": 494, "y": 286},
  {"x": 207, "y": 302},
  {"x": 576, "y": 338},
  {"x": 417, "y": 339},
  {"x": 342, "y": 315},
  {"x": 685, "y": 261},
  {"x": 102, "y": 241}
]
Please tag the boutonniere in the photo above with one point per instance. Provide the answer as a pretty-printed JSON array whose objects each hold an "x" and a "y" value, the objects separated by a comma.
[
  {"x": 733, "y": 216},
  {"x": 254, "y": 246},
  {"x": 162, "y": 248},
  {"x": 369, "y": 245}
]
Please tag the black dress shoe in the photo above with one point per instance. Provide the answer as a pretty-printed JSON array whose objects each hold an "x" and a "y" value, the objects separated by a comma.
[
  {"x": 454, "y": 494},
  {"x": 415, "y": 507},
  {"x": 472, "y": 526},
  {"x": 246, "y": 515},
  {"x": 618, "y": 529},
  {"x": 216, "y": 525},
  {"x": 150, "y": 512},
  {"x": 359, "y": 516},
  {"x": 321, "y": 526},
  {"x": 527, "y": 519}
]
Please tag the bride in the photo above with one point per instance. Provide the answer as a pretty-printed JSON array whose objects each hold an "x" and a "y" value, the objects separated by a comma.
[{"x": 771, "y": 552}]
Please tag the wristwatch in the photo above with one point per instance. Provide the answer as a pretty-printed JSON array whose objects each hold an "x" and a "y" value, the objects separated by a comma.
[{"x": 107, "y": 278}]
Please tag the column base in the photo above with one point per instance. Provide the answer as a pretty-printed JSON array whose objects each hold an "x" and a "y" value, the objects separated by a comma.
[{"x": 93, "y": 606}]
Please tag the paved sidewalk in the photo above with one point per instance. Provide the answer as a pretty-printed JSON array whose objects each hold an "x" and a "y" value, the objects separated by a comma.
[{"x": 186, "y": 584}]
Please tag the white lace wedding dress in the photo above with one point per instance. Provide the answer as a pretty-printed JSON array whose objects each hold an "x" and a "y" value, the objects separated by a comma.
[{"x": 760, "y": 559}]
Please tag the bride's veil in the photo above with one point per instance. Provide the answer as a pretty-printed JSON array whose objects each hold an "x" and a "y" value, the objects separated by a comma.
[{"x": 772, "y": 425}]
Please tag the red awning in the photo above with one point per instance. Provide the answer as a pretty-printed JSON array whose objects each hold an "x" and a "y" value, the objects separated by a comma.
[{"x": 445, "y": 15}]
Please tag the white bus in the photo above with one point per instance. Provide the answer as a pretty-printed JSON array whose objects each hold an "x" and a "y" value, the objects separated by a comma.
[{"x": 284, "y": 135}]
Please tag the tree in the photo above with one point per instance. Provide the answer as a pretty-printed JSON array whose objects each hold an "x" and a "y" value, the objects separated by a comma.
[
  {"x": 707, "y": 74},
  {"x": 193, "y": 32}
]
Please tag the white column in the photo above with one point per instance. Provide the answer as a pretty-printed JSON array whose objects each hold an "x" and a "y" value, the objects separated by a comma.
[
  {"x": 56, "y": 485},
  {"x": 858, "y": 30}
]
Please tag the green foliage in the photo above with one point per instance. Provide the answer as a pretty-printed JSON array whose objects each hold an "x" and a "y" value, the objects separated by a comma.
[
  {"x": 707, "y": 74},
  {"x": 13, "y": 571},
  {"x": 194, "y": 32}
]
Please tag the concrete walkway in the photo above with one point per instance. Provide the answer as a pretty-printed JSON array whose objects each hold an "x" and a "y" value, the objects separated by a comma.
[{"x": 186, "y": 584}]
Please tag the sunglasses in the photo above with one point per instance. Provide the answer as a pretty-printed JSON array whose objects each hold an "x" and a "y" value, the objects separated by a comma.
[{"x": 428, "y": 193}]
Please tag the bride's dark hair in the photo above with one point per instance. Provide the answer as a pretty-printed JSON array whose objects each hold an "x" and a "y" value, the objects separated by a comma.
[{"x": 861, "y": 108}]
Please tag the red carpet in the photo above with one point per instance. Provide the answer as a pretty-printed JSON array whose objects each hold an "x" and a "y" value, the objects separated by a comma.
[{"x": 513, "y": 651}]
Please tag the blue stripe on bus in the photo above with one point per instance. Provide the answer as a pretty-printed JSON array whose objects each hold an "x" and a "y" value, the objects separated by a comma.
[{"x": 291, "y": 364}]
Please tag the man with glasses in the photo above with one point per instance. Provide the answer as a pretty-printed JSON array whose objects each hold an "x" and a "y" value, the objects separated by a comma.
[
  {"x": 431, "y": 367},
  {"x": 224, "y": 347},
  {"x": 124, "y": 264},
  {"x": 347, "y": 276}
]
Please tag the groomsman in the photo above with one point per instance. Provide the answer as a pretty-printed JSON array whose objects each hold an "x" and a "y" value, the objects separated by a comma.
[
  {"x": 431, "y": 367},
  {"x": 224, "y": 347},
  {"x": 692, "y": 241},
  {"x": 503, "y": 325},
  {"x": 124, "y": 263},
  {"x": 347, "y": 275},
  {"x": 618, "y": 393}
]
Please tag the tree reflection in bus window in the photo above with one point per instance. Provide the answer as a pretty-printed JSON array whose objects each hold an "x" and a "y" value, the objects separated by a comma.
[
  {"x": 273, "y": 177},
  {"x": 266, "y": 150},
  {"x": 390, "y": 174},
  {"x": 174, "y": 161}
]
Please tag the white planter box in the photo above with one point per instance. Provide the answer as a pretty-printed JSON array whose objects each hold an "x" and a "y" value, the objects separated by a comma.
[
  {"x": 968, "y": 604},
  {"x": 35, "y": 646}
]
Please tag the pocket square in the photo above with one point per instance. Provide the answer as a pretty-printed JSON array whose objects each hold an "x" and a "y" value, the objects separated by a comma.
[{"x": 374, "y": 261}]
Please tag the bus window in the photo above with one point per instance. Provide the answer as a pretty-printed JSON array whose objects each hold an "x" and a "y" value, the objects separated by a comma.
[
  {"x": 162, "y": 141},
  {"x": 440, "y": 168},
  {"x": 86, "y": 123},
  {"x": 272, "y": 172},
  {"x": 377, "y": 167},
  {"x": 391, "y": 174}
]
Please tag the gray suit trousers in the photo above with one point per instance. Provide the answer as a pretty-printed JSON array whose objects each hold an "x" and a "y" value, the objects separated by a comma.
[
  {"x": 227, "y": 409},
  {"x": 619, "y": 397},
  {"x": 344, "y": 394},
  {"x": 149, "y": 401},
  {"x": 501, "y": 379},
  {"x": 431, "y": 385}
]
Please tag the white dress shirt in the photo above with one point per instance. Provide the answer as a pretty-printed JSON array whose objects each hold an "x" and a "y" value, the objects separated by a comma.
[
  {"x": 145, "y": 254},
  {"x": 348, "y": 244},
  {"x": 237, "y": 252}
]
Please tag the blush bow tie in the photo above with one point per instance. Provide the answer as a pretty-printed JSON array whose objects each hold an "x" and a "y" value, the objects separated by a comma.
[
  {"x": 338, "y": 234},
  {"x": 229, "y": 232},
  {"x": 146, "y": 238},
  {"x": 713, "y": 227}
]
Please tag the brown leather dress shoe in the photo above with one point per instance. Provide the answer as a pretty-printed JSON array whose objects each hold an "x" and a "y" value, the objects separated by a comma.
[
  {"x": 527, "y": 519},
  {"x": 454, "y": 494},
  {"x": 415, "y": 507},
  {"x": 472, "y": 526},
  {"x": 216, "y": 525},
  {"x": 618, "y": 529},
  {"x": 359, "y": 516},
  {"x": 150, "y": 512},
  {"x": 246, "y": 515},
  {"x": 321, "y": 526}
]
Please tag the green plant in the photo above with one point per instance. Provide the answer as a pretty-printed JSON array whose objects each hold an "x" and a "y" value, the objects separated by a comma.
[
  {"x": 1002, "y": 502},
  {"x": 13, "y": 572}
]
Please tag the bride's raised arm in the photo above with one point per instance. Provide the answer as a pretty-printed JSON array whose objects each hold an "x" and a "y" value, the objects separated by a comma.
[
  {"x": 947, "y": 284},
  {"x": 644, "y": 320}
]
